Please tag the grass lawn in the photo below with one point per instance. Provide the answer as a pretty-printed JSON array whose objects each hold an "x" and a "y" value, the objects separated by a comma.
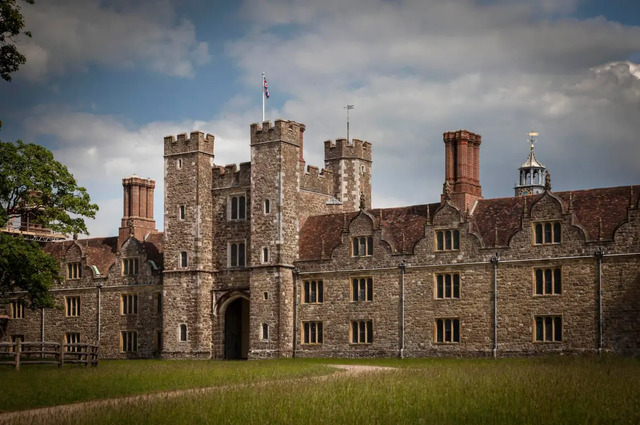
[{"x": 553, "y": 390}]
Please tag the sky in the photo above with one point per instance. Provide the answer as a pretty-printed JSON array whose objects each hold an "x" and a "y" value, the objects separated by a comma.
[{"x": 105, "y": 81}]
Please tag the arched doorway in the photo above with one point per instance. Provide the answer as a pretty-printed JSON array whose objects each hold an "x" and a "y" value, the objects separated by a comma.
[{"x": 236, "y": 329}]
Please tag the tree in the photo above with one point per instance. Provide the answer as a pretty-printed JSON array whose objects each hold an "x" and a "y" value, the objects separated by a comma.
[
  {"x": 33, "y": 182},
  {"x": 11, "y": 26}
]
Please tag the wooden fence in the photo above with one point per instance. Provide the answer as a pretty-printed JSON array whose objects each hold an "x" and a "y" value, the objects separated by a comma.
[{"x": 20, "y": 353}]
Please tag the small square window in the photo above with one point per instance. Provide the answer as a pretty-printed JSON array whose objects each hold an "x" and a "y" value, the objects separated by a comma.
[
  {"x": 129, "y": 266},
  {"x": 447, "y": 240},
  {"x": 74, "y": 270},
  {"x": 361, "y": 289},
  {"x": 547, "y": 328},
  {"x": 447, "y": 330},
  {"x": 312, "y": 333},
  {"x": 17, "y": 309},
  {"x": 547, "y": 233},
  {"x": 72, "y": 306},
  {"x": 361, "y": 331},
  {"x": 362, "y": 246},
  {"x": 313, "y": 292}
]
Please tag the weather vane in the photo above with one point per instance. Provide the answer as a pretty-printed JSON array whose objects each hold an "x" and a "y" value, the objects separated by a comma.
[
  {"x": 348, "y": 107},
  {"x": 533, "y": 137}
]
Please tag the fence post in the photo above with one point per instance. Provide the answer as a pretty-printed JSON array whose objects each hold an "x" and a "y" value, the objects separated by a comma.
[
  {"x": 62, "y": 347},
  {"x": 17, "y": 354}
]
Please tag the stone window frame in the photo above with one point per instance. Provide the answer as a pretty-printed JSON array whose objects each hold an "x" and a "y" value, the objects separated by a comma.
[
  {"x": 267, "y": 206},
  {"x": 362, "y": 246},
  {"x": 72, "y": 338},
  {"x": 440, "y": 286},
  {"x": 361, "y": 289},
  {"x": 128, "y": 341},
  {"x": 264, "y": 332},
  {"x": 547, "y": 281},
  {"x": 446, "y": 240},
  {"x": 130, "y": 266},
  {"x": 547, "y": 328},
  {"x": 446, "y": 330},
  {"x": 237, "y": 247},
  {"x": 361, "y": 332},
  {"x": 312, "y": 332},
  {"x": 546, "y": 232},
  {"x": 182, "y": 212},
  {"x": 237, "y": 203},
  {"x": 74, "y": 270},
  {"x": 128, "y": 304},
  {"x": 183, "y": 332},
  {"x": 72, "y": 306},
  {"x": 313, "y": 291},
  {"x": 265, "y": 255},
  {"x": 17, "y": 309},
  {"x": 183, "y": 260},
  {"x": 179, "y": 164}
]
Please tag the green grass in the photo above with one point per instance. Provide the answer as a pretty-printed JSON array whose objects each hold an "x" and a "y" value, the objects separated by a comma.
[
  {"x": 554, "y": 390},
  {"x": 38, "y": 386}
]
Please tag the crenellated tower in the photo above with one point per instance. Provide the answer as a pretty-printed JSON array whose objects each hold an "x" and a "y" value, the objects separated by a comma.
[
  {"x": 350, "y": 164},
  {"x": 188, "y": 245},
  {"x": 276, "y": 169}
]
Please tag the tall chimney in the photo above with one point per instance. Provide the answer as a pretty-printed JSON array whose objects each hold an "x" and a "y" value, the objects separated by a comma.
[
  {"x": 462, "y": 167},
  {"x": 137, "y": 216}
]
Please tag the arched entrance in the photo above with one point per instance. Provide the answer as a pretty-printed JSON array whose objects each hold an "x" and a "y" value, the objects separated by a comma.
[{"x": 236, "y": 329}]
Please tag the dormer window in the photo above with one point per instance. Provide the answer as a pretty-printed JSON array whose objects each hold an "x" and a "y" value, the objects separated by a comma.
[
  {"x": 74, "y": 270},
  {"x": 547, "y": 233},
  {"x": 362, "y": 246},
  {"x": 447, "y": 240},
  {"x": 129, "y": 266}
]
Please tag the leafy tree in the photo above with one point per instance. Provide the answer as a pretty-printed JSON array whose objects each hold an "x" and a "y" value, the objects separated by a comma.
[
  {"x": 11, "y": 25},
  {"x": 33, "y": 182}
]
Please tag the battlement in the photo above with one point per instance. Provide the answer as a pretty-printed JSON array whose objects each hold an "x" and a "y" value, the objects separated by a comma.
[
  {"x": 462, "y": 135},
  {"x": 317, "y": 180},
  {"x": 341, "y": 148},
  {"x": 196, "y": 141},
  {"x": 231, "y": 176},
  {"x": 281, "y": 131}
]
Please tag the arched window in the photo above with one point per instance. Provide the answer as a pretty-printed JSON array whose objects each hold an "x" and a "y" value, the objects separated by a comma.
[{"x": 238, "y": 209}]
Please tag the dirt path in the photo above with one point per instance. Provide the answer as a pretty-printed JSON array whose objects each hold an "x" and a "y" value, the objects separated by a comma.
[{"x": 40, "y": 415}]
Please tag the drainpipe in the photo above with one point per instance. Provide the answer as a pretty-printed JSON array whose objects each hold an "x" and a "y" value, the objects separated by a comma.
[
  {"x": 402, "y": 266},
  {"x": 296, "y": 273},
  {"x": 599, "y": 254},
  {"x": 495, "y": 259},
  {"x": 42, "y": 325}
]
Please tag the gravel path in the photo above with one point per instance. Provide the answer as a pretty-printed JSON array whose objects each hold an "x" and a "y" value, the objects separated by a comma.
[{"x": 40, "y": 415}]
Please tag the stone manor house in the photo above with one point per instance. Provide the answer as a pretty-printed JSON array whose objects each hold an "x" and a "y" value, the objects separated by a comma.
[{"x": 276, "y": 258}]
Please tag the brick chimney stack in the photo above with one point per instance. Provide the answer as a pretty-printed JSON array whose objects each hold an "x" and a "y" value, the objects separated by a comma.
[
  {"x": 462, "y": 167},
  {"x": 137, "y": 216}
]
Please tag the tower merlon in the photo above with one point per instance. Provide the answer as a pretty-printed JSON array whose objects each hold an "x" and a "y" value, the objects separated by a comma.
[
  {"x": 183, "y": 143},
  {"x": 230, "y": 175},
  {"x": 281, "y": 131},
  {"x": 341, "y": 148}
]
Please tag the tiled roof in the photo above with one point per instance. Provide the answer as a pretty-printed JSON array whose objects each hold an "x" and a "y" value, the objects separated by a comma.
[
  {"x": 101, "y": 252},
  {"x": 502, "y": 214}
]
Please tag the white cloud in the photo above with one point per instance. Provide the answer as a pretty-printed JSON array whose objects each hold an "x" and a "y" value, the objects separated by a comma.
[{"x": 74, "y": 35}]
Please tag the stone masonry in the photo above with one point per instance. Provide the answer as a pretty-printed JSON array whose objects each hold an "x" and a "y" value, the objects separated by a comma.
[{"x": 277, "y": 258}]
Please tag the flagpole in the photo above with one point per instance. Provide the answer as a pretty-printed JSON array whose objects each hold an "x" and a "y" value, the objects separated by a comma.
[{"x": 262, "y": 91}]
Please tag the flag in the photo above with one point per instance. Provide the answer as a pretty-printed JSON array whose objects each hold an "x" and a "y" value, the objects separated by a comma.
[{"x": 266, "y": 86}]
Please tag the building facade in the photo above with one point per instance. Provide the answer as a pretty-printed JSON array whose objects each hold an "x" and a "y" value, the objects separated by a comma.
[{"x": 276, "y": 258}]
